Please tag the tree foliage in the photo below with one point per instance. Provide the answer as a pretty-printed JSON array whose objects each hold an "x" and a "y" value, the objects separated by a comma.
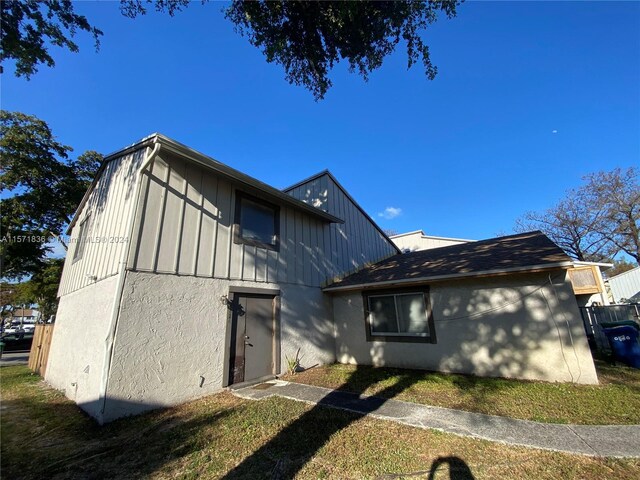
[
  {"x": 28, "y": 26},
  {"x": 42, "y": 288},
  {"x": 596, "y": 221},
  {"x": 308, "y": 38},
  {"x": 616, "y": 195},
  {"x": 42, "y": 186}
]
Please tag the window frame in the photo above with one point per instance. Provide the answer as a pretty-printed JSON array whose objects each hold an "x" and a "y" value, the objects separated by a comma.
[
  {"x": 83, "y": 227},
  {"x": 401, "y": 336},
  {"x": 237, "y": 222}
]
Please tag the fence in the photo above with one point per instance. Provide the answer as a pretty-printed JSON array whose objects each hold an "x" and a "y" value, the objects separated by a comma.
[
  {"x": 40, "y": 348},
  {"x": 593, "y": 317}
]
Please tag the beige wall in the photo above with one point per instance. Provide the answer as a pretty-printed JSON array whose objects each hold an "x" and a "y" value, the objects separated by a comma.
[
  {"x": 172, "y": 331},
  {"x": 508, "y": 326}
]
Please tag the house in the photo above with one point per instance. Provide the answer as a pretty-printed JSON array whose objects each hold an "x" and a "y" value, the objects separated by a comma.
[
  {"x": 24, "y": 315},
  {"x": 625, "y": 285},
  {"x": 185, "y": 276},
  {"x": 414, "y": 241},
  {"x": 586, "y": 277}
]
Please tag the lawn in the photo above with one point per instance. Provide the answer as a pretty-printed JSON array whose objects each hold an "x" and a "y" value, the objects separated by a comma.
[
  {"x": 616, "y": 401},
  {"x": 221, "y": 436}
]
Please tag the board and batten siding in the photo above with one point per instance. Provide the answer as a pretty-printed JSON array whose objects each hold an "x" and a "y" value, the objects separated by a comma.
[
  {"x": 109, "y": 207},
  {"x": 184, "y": 226},
  {"x": 359, "y": 240}
]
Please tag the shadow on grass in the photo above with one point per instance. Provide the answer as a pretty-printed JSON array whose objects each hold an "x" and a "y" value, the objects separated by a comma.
[
  {"x": 46, "y": 436},
  {"x": 298, "y": 442}
]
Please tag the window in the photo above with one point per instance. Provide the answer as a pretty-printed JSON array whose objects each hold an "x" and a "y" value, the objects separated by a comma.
[
  {"x": 81, "y": 241},
  {"x": 257, "y": 222},
  {"x": 402, "y": 316}
]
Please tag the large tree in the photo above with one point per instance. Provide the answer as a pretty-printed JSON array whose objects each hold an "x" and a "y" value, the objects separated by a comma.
[
  {"x": 29, "y": 27},
  {"x": 571, "y": 224},
  {"x": 306, "y": 38},
  {"x": 617, "y": 195},
  {"x": 596, "y": 221},
  {"x": 42, "y": 188}
]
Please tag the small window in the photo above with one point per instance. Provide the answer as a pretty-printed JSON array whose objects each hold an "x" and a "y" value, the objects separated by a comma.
[
  {"x": 399, "y": 316},
  {"x": 81, "y": 241},
  {"x": 257, "y": 222}
]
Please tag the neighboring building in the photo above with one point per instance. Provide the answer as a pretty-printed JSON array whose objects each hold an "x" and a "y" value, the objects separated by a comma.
[
  {"x": 185, "y": 276},
  {"x": 24, "y": 315},
  {"x": 416, "y": 241},
  {"x": 625, "y": 285}
]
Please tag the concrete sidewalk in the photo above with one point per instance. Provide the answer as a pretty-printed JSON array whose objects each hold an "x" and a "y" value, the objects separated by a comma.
[
  {"x": 14, "y": 358},
  {"x": 606, "y": 441}
]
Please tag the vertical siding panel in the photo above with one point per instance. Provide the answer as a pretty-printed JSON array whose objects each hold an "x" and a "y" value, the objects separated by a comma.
[
  {"x": 272, "y": 264},
  {"x": 291, "y": 247},
  {"x": 284, "y": 254},
  {"x": 90, "y": 263},
  {"x": 249, "y": 263},
  {"x": 317, "y": 252},
  {"x": 208, "y": 227},
  {"x": 191, "y": 221},
  {"x": 223, "y": 239},
  {"x": 307, "y": 265},
  {"x": 136, "y": 236},
  {"x": 299, "y": 272},
  {"x": 158, "y": 200},
  {"x": 116, "y": 201},
  {"x": 261, "y": 264},
  {"x": 170, "y": 231}
]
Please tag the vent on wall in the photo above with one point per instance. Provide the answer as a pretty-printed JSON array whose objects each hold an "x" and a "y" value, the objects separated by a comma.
[{"x": 585, "y": 280}]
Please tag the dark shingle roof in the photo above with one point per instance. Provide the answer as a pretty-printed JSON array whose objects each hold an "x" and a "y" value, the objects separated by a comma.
[{"x": 525, "y": 251}]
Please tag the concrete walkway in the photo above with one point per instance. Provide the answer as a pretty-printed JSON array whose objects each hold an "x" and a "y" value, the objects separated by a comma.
[{"x": 606, "y": 441}]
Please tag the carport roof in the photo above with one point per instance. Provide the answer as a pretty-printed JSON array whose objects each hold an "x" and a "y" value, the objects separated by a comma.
[{"x": 531, "y": 251}]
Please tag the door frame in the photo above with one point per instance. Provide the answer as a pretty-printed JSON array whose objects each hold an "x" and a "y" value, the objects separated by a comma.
[{"x": 276, "y": 347}]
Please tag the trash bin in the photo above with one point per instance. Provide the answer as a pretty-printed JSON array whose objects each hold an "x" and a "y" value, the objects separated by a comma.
[
  {"x": 1, "y": 348},
  {"x": 624, "y": 343},
  {"x": 628, "y": 323}
]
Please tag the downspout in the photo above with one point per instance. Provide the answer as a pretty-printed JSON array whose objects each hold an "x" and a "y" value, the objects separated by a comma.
[{"x": 113, "y": 324}]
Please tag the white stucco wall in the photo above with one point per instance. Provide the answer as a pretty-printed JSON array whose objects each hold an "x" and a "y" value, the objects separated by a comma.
[
  {"x": 77, "y": 353},
  {"x": 509, "y": 326},
  {"x": 172, "y": 331}
]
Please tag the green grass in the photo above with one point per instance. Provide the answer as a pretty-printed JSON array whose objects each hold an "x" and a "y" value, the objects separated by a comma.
[
  {"x": 616, "y": 401},
  {"x": 46, "y": 436}
]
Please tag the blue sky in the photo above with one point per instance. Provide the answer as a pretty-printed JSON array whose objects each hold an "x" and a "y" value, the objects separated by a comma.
[{"x": 529, "y": 98}]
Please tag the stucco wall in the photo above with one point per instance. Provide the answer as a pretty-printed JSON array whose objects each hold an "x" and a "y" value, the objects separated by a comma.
[
  {"x": 77, "y": 354},
  {"x": 509, "y": 326},
  {"x": 172, "y": 333}
]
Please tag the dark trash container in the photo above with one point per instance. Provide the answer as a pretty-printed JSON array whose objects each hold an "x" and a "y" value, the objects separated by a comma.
[{"x": 624, "y": 343}]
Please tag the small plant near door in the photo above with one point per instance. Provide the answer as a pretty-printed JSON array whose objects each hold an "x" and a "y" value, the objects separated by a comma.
[{"x": 293, "y": 364}]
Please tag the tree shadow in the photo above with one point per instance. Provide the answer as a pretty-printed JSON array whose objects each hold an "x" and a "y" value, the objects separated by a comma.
[
  {"x": 305, "y": 436},
  {"x": 458, "y": 470}
]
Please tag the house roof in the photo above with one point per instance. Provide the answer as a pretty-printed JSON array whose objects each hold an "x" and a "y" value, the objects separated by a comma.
[
  {"x": 209, "y": 163},
  {"x": 529, "y": 251}
]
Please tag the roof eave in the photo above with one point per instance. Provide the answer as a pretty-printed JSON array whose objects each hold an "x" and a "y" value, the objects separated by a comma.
[{"x": 453, "y": 276}]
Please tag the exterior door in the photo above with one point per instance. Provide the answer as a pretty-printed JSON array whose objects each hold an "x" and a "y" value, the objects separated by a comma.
[{"x": 252, "y": 337}]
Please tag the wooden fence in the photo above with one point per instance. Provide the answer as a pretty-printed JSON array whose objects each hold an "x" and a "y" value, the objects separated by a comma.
[{"x": 40, "y": 348}]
